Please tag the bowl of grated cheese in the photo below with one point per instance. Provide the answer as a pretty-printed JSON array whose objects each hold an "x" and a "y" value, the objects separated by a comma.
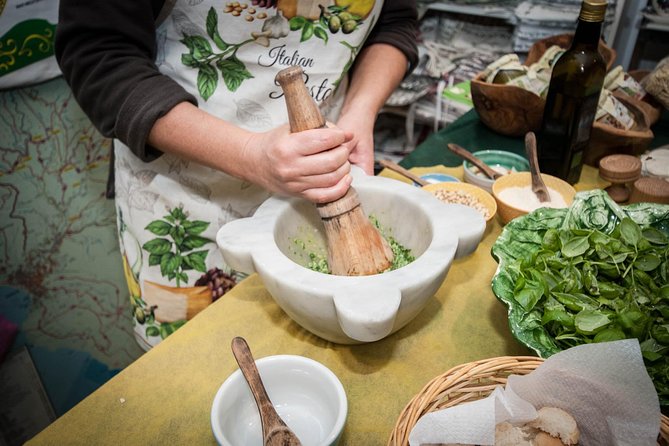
[
  {"x": 467, "y": 194},
  {"x": 514, "y": 196}
]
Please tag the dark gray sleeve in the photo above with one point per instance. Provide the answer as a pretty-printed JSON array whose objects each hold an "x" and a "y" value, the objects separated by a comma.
[
  {"x": 106, "y": 50},
  {"x": 398, "y": 26}
]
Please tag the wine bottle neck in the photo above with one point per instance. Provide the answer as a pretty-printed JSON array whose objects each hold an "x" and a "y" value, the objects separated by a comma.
[{"x": 587, "y": 34}]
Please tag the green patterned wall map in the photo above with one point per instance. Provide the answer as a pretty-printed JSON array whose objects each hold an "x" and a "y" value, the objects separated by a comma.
[{"x": 58, "y": 240}]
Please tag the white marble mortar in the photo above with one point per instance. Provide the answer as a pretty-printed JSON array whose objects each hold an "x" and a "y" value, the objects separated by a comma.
[{"x": 344, "y": 309}]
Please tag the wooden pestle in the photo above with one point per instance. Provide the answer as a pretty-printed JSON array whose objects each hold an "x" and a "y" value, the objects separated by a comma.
[{"x": 355, "y": 247}]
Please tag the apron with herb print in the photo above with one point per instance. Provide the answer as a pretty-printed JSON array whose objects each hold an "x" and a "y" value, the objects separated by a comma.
[{"x": 227, "y": 54}]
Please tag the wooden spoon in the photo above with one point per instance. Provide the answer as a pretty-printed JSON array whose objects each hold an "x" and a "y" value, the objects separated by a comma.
[
  {"x": 355, "y": 246},
  {"x": 402, "y": 171},
  {"x": 538, "y": 186},
  {"x": 274, "y": 431},
  {"x": 466, "y": 154}
]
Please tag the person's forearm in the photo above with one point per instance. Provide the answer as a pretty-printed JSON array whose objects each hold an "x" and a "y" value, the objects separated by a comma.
[
  {"x": 378, "y": 70},
  {"x": 312, "y": 164},
  {"x": 193, "y": 134}
]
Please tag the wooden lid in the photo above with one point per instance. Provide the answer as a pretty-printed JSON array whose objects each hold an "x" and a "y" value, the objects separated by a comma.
[
  {"x": 651, "y": 190},
  {"x": 620, "y": 168}
]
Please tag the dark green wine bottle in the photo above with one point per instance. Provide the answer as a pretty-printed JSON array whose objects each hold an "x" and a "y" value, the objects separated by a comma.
[{"x": 573, "y": 94}]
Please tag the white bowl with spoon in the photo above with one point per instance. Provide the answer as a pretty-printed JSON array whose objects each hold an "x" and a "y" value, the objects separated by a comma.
[{"x": 307, "y": 396}]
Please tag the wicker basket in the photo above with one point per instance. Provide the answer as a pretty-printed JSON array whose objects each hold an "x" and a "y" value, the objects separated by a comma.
[{"x": 469, "y": 382}]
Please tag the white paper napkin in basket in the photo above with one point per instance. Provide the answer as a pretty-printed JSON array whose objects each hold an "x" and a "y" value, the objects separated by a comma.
[{"x": 604, "y": 386}]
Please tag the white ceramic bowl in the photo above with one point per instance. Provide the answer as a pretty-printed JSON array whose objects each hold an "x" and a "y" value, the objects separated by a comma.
[
  {"x": 345, "y": 309},
  {"x": 307, "y": 395}
]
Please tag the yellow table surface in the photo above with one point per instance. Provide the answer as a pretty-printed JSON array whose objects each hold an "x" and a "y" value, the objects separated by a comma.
[{"x": 165, "y": 396}]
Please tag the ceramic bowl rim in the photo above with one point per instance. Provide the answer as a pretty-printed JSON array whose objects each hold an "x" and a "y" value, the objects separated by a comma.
[
  {"x": 236, "y": 377},
  {"x": 491, "y": 204},
  {"x": 466, "y": 165}
]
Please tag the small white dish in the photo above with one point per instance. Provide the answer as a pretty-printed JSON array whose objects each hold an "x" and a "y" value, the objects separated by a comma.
[
  {"x": 434, "y": 178},
  {"x": 307, "y": 395}
]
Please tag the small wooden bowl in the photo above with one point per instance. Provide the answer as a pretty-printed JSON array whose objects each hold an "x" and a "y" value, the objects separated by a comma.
[
  {"x": 481, "y": 196},
  {"x": 507, "y": 211}
]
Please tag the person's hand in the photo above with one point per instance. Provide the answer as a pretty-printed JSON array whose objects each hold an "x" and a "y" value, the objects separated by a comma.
[
  {"x": 313, "y": 164},
  {"x": 362, "y": 144}
]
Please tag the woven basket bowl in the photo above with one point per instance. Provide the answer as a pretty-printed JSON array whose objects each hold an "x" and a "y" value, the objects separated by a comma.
[
  {"x": 470, "y": 382},
  {"x": 511, "y": 110}
]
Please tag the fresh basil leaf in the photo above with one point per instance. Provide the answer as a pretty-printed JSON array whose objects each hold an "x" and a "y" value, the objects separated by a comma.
[
  {"x": 655, "y": 236},
  {"x": 530, "y": 295},
  {"x": 589, "y": 322},
  {"x": 660, "y": 333},
  {"x": 630, "y": 231},
  {"x": 610, "y": 334},
  {"x": 575, "y": 246},
  {"x": 648, "y": 261},
  {"x": 558, "y": 315}
]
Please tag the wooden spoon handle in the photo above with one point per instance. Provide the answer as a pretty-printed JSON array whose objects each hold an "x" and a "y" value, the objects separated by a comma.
[
  {"x": 268, "y": 415},
  {"x": 466, "y": 154},
  {"x": 538, "y": 186},
  {"x": 388, "y": 164}
]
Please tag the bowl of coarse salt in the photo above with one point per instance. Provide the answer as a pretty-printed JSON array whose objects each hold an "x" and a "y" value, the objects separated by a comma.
[{"x": 514, "y": 196}]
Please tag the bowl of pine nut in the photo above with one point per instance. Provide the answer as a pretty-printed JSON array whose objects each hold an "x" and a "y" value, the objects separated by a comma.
[{"x": 467, "y": 194}]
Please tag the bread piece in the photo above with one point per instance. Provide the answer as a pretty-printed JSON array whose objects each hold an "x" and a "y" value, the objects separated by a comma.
[
  {"x": 544, "y": 439},
  {"x": 557, "y": 423}
]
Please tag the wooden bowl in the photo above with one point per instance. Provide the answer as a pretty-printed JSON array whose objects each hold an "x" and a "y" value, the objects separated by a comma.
[
  {"x": 508, "y": 211},
  {"x": 511, "y": 110},
  {"x": 564, "y": 41},
  {"x": 506, "y": 109}
]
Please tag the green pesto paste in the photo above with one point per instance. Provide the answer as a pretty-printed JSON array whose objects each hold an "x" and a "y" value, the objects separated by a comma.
[{"x": 401, "y": 255}]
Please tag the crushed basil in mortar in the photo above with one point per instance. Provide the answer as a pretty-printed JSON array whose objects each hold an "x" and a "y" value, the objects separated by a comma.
[{"x": 401, "y": 255}]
